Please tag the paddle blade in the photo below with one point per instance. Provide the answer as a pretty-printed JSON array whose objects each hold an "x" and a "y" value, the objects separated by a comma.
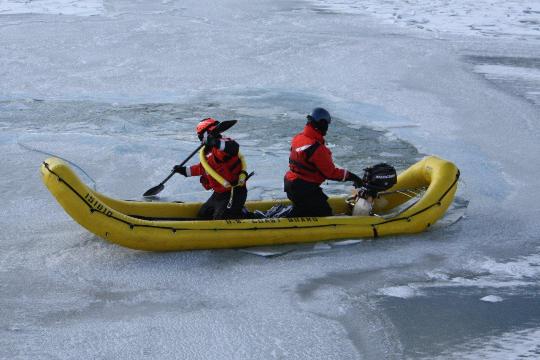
[
  {"x": 155, "y": 190},
  {"x": 224, "y": 125}
]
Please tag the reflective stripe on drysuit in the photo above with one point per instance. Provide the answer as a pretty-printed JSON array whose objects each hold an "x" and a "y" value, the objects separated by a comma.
[{"x": 310, "y": 160}]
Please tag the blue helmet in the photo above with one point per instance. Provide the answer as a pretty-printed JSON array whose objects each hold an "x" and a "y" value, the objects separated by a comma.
[
  {"x": 320, "y": 119},
  {"x": 319, "y": 114}
]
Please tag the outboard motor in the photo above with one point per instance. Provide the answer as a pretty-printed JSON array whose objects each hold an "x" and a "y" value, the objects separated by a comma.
[{"x": 377, "y": 178}]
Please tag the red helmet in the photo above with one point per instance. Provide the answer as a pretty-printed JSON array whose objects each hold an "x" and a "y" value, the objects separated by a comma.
[{"x": 207, "y": 124}]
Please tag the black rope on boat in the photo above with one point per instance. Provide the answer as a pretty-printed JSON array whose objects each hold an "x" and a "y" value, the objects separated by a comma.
[
  {"x": 375, "y": 233},
  {"x": 27, "y": 147},
  {"x": 438, "y": 203},
  {"x": 174, "y": 229},
  {"x": 90, "y": 207},
  {"x": 131, "y": 225}
]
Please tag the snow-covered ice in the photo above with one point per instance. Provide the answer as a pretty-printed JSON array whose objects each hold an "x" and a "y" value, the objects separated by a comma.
[
  {"x": 492, "y": 298},
  {"x": 116, "y": 88},
  {"x": 493, "y": 18},
  {"x": 53, "y": 7}
]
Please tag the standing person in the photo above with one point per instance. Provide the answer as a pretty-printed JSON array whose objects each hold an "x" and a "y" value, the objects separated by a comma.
[
  {"x": 222, "y": 155},
  {"x": 310, "y": 163}
]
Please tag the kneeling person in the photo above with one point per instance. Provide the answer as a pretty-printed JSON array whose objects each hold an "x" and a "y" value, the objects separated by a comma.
[
  {"x": 311, "y": 163},
  {"x": 222, "y": 155}
]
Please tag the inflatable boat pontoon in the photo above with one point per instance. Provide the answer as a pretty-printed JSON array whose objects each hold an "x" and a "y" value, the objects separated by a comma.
[{"x": 171, "y": 226}]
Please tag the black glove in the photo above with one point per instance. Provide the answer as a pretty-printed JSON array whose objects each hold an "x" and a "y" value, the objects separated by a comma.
[
  {"x": 180, "y": 170},
  {"x": 355, "y": 179}
]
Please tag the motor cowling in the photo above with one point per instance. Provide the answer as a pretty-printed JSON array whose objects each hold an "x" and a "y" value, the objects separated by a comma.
[{"x": 377, "y": 178}]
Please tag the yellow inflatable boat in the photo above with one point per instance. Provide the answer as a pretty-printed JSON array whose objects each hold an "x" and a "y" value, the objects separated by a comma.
[{"x": 169, "y": 226}]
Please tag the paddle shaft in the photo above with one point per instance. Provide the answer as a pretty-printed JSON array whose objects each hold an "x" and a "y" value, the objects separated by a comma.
[
  {"x": 222, "y": 126},
  {"x": 182, "y": 164}
]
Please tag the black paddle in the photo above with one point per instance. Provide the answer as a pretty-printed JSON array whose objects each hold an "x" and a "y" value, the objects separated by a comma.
[{"x": 222, "y": 126}]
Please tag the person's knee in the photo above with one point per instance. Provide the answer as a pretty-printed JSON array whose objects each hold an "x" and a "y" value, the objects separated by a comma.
[
  {"x": 205, "y": 212},
  {"x": 226, "y": 213},
  {"x": 326, "y": 211},
  {"x": 204, "y": 215}
]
